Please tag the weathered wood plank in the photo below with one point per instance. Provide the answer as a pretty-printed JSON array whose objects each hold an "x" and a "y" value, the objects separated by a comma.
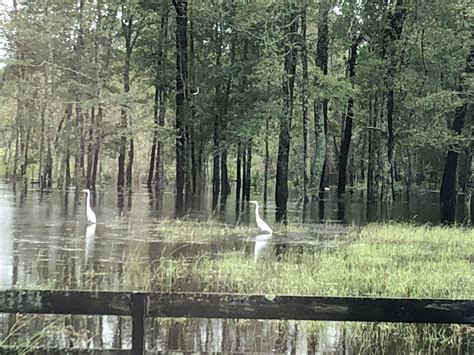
[
  {"x": 139, "y": 313},
  {"x": 311, "y": 308},
  {"x": 65, "y": 302},
  {"x": 208, "y": 305},
  {"x": 78, "y": 351},
  {"x": 62, "y": 351}
]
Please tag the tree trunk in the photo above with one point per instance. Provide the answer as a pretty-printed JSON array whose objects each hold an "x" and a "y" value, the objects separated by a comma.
[
  {"x": 216, "y": 176},
  {"x": 151, "y": 167},
  {"x": 159, "y": 167},
  {"x": 102, "y": 64},
  {"x": 394, "y": 33},
  {"x": 238, "y": 172},
  {"x": 79, "y": 131},
  {"x": 318, "y": 161},
  {"x": 127, "y": 28},
  {"x": 131, "y": 156},
  {"x": 25, "y": 148},
  {"x": 216, "y": 163},
  {"x": 195, "y": 172},
  {"x": 470, "y": 173},
  {"x": 346, "y": 140},
  {"x": 304, "y": 105},
  {"x": 244, "y": 171},
  {"x": 224, "y": 177},
  {"x": 96, "y": 149},
  {"x": 181, "y": 91},
  {"x": 248, "y": 172},
  {"x": 267, "y": 161},
  {"x": 80, "y": 151},
  {"x": 281, "y": 188},
  {"x": 48, "y": 167},
  {"x": 448, "y": 183},
  {"x": 41, "y": 149},
  {"x": 19, "y": 103},
  {"x": 371, "y": 152},
  {"x": 90, "y": 149},
  {"x": 67, "y": 155},
  {"x": 225, "y": 185}
]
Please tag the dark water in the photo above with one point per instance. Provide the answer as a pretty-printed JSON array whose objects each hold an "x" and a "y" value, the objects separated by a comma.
[{"x": 45, "y": 242}]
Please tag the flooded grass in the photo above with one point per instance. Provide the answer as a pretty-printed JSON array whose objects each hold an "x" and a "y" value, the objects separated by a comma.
[
  {"x": 192, "y": 230},
  {"x": 393, "y": 260},
  {"x": 383, "y": 260}
]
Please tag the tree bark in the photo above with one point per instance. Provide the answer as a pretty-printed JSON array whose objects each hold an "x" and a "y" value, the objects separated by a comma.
[
  {"x": 281, "y": 188},
  {"x": 96, "y": 149},
  {"x": 159, "y": 167},
  {"x": 181, "y": 91},
  {"x": 216, "y": 162},
  {"x": 216, "y": 175},
  {"x": 151, "y": 167},
  {"x": 448, "y": 183},
  {"x": 371, "y": 152},
  {"x": 127, "y": 28},
  {"x": 90, "y": 149},
  {"x": 318, "y": 161},
  {"x": 79, "y": 131},
  {"x": 304, "y": 104},
  {"x": 244, "y": 171},
  {"x": 238, "y": 172},
  {"x": 346, "y": 140},
  {"x": 131, "y": 157},
  {"x": 67, "y": 155},
  {"x": 267, "y": 162},
  {"x": 470, "y": 175},
  {"x": 394, "y": 33},
  {"x": 248, "y": 172}
]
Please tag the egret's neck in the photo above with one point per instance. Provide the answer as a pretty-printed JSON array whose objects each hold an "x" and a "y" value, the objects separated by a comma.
[
  {"x": 88, "y": 200},
  {"x": 256, "y": 211}
]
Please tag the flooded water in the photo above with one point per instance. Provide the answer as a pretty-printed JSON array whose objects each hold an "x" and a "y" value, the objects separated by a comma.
[{"x": 45, "y": 242}]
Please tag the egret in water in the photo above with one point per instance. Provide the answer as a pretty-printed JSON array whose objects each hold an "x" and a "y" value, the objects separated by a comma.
[
  {"x": 91, "y": 218},
  {"x": 264, "y": 227}
]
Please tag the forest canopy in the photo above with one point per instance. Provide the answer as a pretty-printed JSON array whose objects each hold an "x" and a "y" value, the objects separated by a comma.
[{"x": 373, "y": 95}]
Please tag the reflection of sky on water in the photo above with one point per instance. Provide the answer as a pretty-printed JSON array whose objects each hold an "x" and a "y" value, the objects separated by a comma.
[{"x": 6, "y": 237}]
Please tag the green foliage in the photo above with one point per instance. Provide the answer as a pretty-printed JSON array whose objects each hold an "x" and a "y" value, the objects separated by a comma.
[{"x": 236, "y": 46}]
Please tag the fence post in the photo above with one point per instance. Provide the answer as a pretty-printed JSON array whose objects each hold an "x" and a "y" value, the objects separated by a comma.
[{"x": 139, "y": 307}]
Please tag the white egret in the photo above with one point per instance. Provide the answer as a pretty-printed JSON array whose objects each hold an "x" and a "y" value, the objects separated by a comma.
[
  {"x": 91, "y": 218},
  {"x": 264, "y": 227}
]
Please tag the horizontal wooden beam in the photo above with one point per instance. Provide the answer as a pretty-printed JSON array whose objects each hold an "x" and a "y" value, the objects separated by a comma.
[
  {"x": 213, "y": 305},
  {"x": 18, "y": 350}
]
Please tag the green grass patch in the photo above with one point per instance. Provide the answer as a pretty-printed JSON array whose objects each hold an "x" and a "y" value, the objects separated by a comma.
[
  {"x": 204, "y": 230},
  {"x": 394, "y": 260}
]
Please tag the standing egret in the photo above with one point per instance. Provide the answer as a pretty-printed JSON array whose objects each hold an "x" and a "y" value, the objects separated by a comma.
[
  {"x": 264, "y": 227},
  {"x": 91, "y": 218}
]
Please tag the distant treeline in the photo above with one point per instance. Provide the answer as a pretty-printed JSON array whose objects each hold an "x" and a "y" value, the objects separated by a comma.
[{"x": 372, "y": 94}]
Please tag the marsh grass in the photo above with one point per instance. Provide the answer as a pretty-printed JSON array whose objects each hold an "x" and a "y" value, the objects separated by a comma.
[
  {"x": 193, "y": 230},
  {"x": 395, "y": 260},
  {"x": 383, "y": 260}
]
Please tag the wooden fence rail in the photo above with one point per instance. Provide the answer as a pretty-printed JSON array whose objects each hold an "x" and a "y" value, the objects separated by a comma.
[{"x": 140, "y": 305}]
